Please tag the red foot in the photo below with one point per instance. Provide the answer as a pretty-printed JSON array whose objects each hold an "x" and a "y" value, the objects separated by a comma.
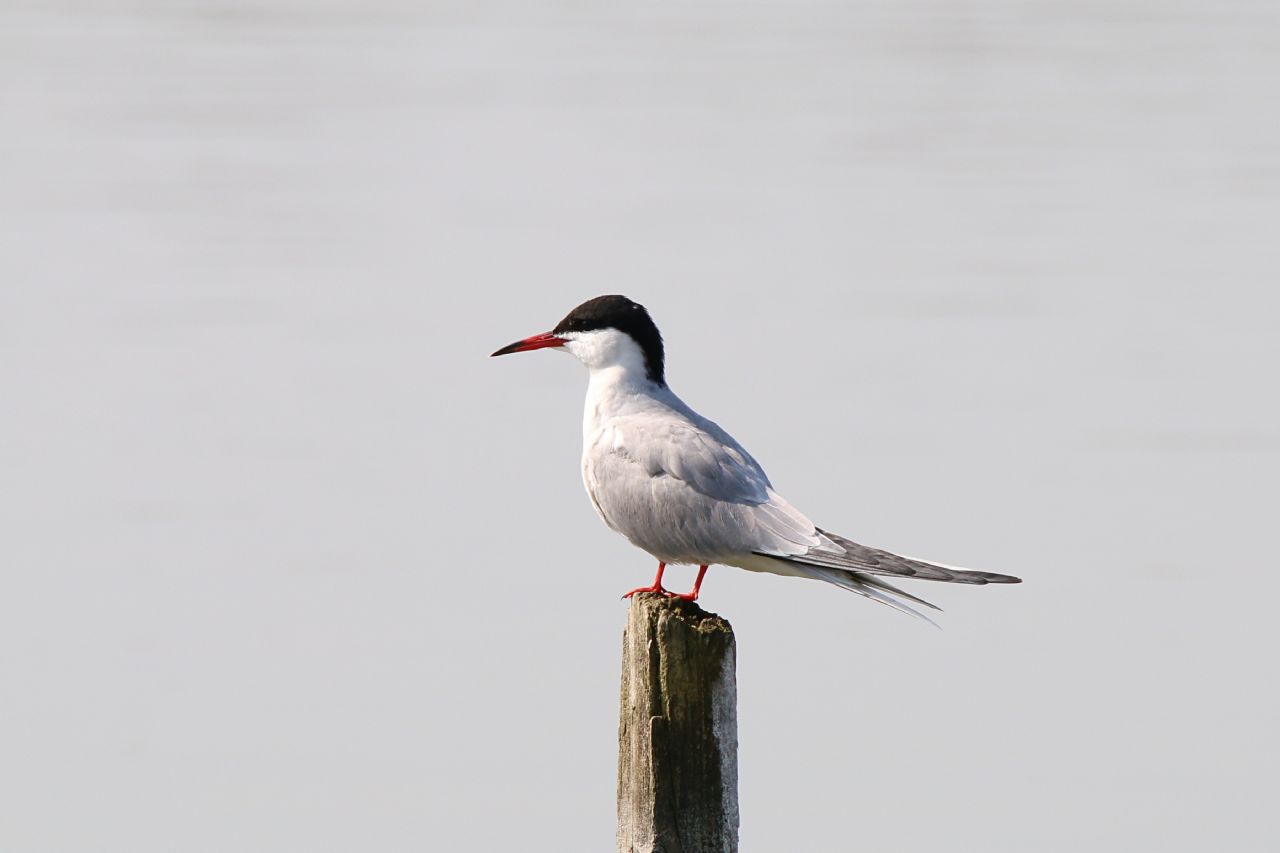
[
  {"x": 697, "y": 585},
  {"x": 658, "y": 588},
  {"x": 657, "y": 584}
]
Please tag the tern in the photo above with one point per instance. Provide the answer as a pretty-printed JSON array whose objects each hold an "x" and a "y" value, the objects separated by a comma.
[{"x": 679, "y": 487}]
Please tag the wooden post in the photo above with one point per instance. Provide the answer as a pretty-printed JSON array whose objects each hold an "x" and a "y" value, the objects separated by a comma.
[{"x": 678, "y": 730}]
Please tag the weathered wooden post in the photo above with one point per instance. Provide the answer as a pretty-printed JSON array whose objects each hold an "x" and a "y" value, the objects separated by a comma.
[{"x": 678, "y": 730}]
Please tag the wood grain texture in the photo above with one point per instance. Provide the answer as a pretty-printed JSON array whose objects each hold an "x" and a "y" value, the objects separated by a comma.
[{"x": 678, "y": 731}]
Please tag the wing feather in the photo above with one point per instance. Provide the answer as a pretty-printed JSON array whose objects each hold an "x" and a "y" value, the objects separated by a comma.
[
  {"x": 687, "y": 492},
  {"x": 686, "y": 495},
  {"x": 837, "y": 552}
]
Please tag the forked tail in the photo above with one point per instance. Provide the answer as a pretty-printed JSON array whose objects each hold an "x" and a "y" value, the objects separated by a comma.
[{"x": 859, "y": 569}]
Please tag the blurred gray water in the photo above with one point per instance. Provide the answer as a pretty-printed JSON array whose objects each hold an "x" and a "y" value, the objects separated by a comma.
[{"x": 288, "y": 564}]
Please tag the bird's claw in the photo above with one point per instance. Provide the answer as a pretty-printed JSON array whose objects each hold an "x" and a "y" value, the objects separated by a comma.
[
  {"x": 658, "y": 589},
  {"x": 683, "y": 596}
]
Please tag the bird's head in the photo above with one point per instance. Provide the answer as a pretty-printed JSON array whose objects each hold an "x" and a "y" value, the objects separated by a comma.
[{"x": 608, "y": 331}]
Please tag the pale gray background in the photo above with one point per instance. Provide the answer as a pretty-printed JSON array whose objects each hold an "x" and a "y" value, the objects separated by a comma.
[{"x": 290, "y": 565}]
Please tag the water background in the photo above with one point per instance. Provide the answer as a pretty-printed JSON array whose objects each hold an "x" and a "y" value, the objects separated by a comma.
[{"x": 286, "y": 563}]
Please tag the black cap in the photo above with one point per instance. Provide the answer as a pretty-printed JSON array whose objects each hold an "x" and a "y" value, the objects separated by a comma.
[{"x": 619, "y": 312}]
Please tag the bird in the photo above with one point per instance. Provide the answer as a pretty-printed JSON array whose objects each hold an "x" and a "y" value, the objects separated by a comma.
[{"x": 680, "y": 488}]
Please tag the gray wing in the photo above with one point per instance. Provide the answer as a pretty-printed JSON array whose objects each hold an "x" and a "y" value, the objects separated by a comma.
[
  {"x": 686, "y": 495},
  {"x": 687, "y": 492}
]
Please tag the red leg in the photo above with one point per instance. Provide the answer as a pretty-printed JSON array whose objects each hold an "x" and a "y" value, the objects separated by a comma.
[
  {"x": 697, "y": 585},
  {"x": 657, "y": 584}
]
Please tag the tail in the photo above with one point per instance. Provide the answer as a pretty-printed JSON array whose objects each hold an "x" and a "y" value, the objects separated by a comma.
[
  {"x": 868, "y": 587},
  {"x": 836, "y": 552},
  {"x": 855, "y": 567}
]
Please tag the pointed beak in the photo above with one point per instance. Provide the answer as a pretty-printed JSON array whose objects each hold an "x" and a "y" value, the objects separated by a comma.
[{"x": 547, "y": 339}]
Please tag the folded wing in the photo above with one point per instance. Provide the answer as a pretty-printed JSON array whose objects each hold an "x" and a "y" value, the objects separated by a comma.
[{"x": 837, "y": 552}]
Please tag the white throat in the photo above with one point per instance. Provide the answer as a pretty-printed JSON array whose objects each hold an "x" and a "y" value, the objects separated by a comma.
[
  {"x": 608, "y": 354},
  {"x": 617, "y": 370}
]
